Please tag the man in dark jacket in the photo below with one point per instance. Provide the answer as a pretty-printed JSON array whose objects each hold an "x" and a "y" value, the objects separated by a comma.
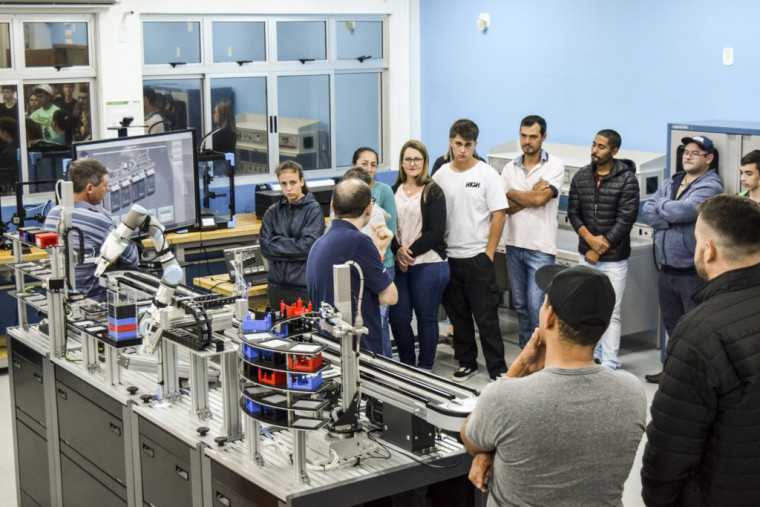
[
  {"x": 603, "y": 205},
  {"x": 703, "y": 443}
]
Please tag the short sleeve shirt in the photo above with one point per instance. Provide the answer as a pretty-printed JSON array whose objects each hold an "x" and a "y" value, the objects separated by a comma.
[
  {"x": 471, "y": 197},
  {"x": 344, "y": 242}
]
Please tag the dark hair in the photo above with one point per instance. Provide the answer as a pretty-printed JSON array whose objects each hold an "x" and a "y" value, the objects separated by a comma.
[
  {"x": 735, "y": 220},
  {"x": 290, "y": 165},
  {"x": 33, "y": 131},
  {"x": 612, "y": 137},
  {"x": 350, "y": 198},
  {"x": 86, "y": 89},
  {"x": 9, "y": 125},
  {"x": 582, "y": 338},
  {"x": 149, "y": 94},
  {"x": 466, "y": 129},
  {"x": 62, "y": 119},
  {"x": 357, "y": 173},
  {"x": 531, "y": 120},
  {"x": 8, "y": 87},
  {"x": 226, "y": 115},
  {"x": 753, "y": 157},
  {"x": 358, "y": 153},
  {"x": 86, "y": 171}
]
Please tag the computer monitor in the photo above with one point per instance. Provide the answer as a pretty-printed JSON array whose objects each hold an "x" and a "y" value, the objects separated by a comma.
[
  {"x": 216, "y": 188},
  {"x": 156, "y": 171}
]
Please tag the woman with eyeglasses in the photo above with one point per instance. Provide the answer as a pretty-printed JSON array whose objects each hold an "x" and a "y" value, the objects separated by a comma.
[
  {"x": 422, "y": 272},
  {"x": 366, "y": 158}
]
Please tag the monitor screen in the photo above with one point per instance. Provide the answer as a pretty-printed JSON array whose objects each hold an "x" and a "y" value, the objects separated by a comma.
[{"x": 155, "y": 171}]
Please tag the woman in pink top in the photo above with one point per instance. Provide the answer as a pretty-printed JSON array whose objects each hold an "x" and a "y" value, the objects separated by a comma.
[{"x": 422, "y": 272}]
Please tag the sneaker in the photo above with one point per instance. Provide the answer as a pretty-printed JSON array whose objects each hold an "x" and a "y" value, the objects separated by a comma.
[
  {"x": 498, "y": 376},
  {"x": 654, "y": 378},
  {"x": 463, "y": 373}
]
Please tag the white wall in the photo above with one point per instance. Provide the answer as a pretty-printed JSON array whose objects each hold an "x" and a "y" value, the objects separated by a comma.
[{"x": 119, "y": 63}]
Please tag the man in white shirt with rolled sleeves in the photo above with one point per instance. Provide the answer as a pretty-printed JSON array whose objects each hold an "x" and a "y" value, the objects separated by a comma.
[{"x": 532, "y": 182}]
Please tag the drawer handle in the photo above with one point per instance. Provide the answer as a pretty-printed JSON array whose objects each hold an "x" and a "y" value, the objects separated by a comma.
[
  {"x": 182, "y": 473},
  {"x": 17, "y": 364},
  {"x": 222, "y": 499},
  {"x": 63, "y": 394},
  {"x": 115, "y": 429},
  {"x": 149, "y": 451},
  {"x": 38, "y": 378}
]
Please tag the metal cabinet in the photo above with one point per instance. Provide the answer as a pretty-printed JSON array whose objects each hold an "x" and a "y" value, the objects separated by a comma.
[{"x": 165, "y": 465}]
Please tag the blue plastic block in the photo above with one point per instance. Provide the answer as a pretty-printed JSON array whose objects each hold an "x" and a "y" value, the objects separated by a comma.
[
  {"x": 252, "y": 325},
  {"x": 250, "y": 353},
  {"x": 252, "y": 407},
  {"x": 304, "y": 382}
]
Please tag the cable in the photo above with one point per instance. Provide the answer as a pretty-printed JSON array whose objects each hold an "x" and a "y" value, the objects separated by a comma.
[{"x": 358, "y": 321}]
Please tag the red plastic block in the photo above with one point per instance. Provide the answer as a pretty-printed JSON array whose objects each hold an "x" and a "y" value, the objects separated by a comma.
[
  {"x": 46, "y": 239},
  {"x": 295, "y": 309},
  {"x": 305, "y": 363},
  {"x": 272, "y": 378}
]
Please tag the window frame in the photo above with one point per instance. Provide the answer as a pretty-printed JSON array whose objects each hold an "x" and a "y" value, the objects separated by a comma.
[{"x": 208, "y": 70}]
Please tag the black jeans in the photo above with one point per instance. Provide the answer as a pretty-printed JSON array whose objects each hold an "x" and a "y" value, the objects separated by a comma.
[{"x": 472, "y": 293}]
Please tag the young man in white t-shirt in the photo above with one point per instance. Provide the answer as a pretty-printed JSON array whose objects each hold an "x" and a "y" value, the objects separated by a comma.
[
  {"x": 475, "y": 214},
  {"x": 532, "y": 182}
]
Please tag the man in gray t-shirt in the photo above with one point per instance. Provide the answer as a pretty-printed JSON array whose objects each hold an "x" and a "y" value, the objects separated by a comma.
[{"x": 566, "y": 433}]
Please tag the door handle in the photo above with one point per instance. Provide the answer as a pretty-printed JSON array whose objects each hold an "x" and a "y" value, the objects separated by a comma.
[
  {"x": 38, "y": 377},
  {"x": 149, "y": 451},
  {"x": 115, "y": 429},
  {"x": 182, "y": 473},
  {"x": 63, "y": 394},
  {"x": 222, "y": 499}
]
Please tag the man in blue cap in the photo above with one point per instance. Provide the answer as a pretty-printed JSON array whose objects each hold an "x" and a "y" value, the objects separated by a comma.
[{"x": 672, "y": 211}]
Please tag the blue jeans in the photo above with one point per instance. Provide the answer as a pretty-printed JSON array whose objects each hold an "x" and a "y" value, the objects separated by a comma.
[
  {"x": 386, "y": 330},
  {"x": 606, "y": 350},
  {"x": 527, "y": 297},
  {"x": 419, "y": 289}
]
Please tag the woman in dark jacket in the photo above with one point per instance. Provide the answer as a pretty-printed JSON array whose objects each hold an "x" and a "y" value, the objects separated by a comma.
[
  {"x": 288, "y": 230},
  {"x": 422, "y": 272}
]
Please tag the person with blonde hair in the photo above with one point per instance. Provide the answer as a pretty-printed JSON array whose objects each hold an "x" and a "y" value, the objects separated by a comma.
[{"x": 422, "y": 272}]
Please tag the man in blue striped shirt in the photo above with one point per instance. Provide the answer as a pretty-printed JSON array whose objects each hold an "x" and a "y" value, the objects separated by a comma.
[{"x": 90, "y": 178}]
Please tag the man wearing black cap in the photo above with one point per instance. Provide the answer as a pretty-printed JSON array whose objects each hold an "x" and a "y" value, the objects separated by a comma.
[
  {"x": 568, "y": 430},
  {"x": 672, "y": 211}
]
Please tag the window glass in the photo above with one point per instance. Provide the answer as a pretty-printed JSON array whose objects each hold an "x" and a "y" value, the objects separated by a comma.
[
  {"x": 359, "y": 39},
  {"x": 55, "y": 44},
  {"x": 5, "y": 46},
  {"x": 304, "y": 120},
  {"x": 9, "y": 139},
  {"x": 177, "y": 105},
  {"x": 357, "y": 114},
  {"x": 239, "y": 41},
  {"x": 239, "y": 108},
  {"x": 58, "y": 114},
  {"x": 301, "y": 40},
  {"x": 171, "y": 42}
]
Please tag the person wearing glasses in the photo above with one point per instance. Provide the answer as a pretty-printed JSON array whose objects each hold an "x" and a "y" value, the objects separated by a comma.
[
  {"x": 422, "y": 272},
  {"x": 603, "y": 205},
  {"x": 532, "y": 182},
  {"x": 672, "y": 212},
  {"x": 367, "y": 159}
]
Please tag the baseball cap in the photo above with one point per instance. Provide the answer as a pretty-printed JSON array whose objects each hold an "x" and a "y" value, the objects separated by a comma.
[
  {"x": 704, "y": 142},
  {"x": 43, "y": 87},
  {"x": 581, "y": 296}
]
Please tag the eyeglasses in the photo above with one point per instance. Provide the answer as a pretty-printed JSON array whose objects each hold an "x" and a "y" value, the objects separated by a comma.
[
  {"x": 687, "y": 154},
  {"x": 414, "y": 161}
]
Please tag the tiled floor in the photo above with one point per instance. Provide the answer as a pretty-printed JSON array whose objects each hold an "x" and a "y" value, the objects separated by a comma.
[{"x": 637, "y": 355}]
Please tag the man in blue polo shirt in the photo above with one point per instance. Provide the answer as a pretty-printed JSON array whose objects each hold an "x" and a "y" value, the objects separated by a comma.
[
  {"x": 90, "y": 179},
  {"x": 352, "y": 204}
]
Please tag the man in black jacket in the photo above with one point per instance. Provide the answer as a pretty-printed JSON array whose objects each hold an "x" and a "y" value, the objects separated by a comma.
[
  {"x": 703, "y": 443},
  {"x": 603, "y": 205}
]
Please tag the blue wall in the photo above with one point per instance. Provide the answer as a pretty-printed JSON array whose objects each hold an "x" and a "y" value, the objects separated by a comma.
[{"x": 584, "y": 65}]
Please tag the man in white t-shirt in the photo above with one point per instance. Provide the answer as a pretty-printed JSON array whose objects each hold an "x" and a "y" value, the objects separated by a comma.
[
  {"x": 475, "y": 216},
  {"x": 532, "y": 182}
]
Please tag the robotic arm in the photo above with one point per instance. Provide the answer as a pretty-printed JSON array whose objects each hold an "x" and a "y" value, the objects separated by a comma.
[{"x": 117, "y": 242}]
